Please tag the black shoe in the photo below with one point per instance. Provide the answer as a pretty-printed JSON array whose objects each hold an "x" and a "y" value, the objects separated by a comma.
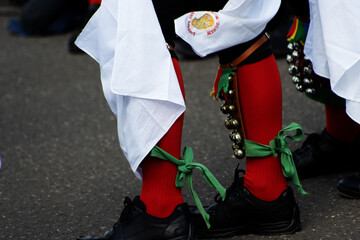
[
  {"x": 243, "y": 213},
  {"x": 350, "y": 186},
  {"x": 136, "y": 224},
  {"x": 323, "y": 154}
]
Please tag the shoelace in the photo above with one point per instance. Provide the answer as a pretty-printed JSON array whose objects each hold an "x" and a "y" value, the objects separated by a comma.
[
  {"x": 310, "y": 142},
  {"x": 312, "y": 138},
  {"x": 126, "y": 213},
  {"x": 236, "y": 186}
]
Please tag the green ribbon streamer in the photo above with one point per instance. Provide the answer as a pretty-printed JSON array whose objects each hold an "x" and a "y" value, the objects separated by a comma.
[
  {"x": 224, "y": 80},
  {"x": 301, "y": 32},
  {"x": 279, "y": 146},
  {"x": 185, "y": 168}
]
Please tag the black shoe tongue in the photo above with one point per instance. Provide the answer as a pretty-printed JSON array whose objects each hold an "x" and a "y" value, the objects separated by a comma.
[{"x": 137, "y": 202}]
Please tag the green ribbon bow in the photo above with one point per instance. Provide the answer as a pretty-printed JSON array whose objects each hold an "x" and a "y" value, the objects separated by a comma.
[
  {"x": 279, "y": 146},
  {"x": 224, "y": 80},
  {"x": 185, "y": 168}
]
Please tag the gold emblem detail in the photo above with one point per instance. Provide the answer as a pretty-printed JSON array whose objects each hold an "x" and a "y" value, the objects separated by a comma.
[{"x": 204, "y": 22}]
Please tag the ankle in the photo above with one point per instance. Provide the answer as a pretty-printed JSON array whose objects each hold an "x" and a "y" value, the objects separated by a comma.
[
  {"x": 264, "y": 178},
  {"x": 159, "y": 208},
  {"x": 159, "y": 193}
]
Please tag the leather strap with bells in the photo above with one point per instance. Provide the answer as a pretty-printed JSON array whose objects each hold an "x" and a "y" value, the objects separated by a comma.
[{"x": 235, "y": 120}]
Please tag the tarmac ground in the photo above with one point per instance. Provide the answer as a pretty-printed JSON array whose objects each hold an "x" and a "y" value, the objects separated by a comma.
[{"x": 63, "y": 173}]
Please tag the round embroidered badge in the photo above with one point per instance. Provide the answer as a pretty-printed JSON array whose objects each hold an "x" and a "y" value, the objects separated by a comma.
[{"x": 200, "y": 22}]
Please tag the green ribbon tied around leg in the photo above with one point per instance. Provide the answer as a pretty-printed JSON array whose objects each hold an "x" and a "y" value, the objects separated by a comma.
[
  {"x": 185, "y": 168},
  {"x": 279, "y": 146},
  {"x": 224, "y": 80}
]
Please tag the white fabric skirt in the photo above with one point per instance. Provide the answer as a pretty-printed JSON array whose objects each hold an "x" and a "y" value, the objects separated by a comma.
[
  {"x": 137, "y": 73},
  {"x": 332, "y": 44}
]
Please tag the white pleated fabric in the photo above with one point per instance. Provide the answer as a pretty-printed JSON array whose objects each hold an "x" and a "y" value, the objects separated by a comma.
[
  {"x": 238, "y": 22},
  {"x": 137, "y": 73},
  {"x": 332, "y": 44}
]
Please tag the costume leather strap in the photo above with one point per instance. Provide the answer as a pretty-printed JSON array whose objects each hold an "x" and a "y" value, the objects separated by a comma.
[
  {"x": 237, "y": 104},
  {"x": 247, "y": 53},
  {"x": 169, "y": 47}
]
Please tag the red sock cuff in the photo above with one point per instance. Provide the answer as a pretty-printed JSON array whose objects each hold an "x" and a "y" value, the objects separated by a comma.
[
  {"x": 94, "y": 2},
  {"x": 340, "y": 125}
]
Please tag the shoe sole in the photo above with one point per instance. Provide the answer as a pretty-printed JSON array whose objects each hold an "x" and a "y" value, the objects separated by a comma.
[
  {"x": 190, "y": 236},
  {"x": 348, "y": 194},
  {"x": 277, "y": 228}
]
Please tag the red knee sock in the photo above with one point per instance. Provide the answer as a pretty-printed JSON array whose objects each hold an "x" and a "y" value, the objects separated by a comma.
[
  {"x": 261, "y": 102},
  {"x": 159, "y": 193},
  {"x": 94, "y": 2},
  {"x": 340, "y": 125}
]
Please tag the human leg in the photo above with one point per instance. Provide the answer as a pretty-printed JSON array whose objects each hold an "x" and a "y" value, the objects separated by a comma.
[
  {"x": 259, "y": 202},
  {"x": 39, "y": 17},
  {"x": 334, "y": 150},
  {"x": 261, "y": 101},
  {"x": 159, "y": 192},
  {"x": 159, "y": 212}
]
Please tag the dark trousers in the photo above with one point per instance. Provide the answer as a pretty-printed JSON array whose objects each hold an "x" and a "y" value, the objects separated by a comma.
[{"x": 52, "y": 16}]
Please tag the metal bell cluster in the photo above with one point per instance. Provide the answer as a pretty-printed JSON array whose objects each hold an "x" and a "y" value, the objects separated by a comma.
[
  {"x": 300, "y": 68},
  {"x": 232, "y": 123}
]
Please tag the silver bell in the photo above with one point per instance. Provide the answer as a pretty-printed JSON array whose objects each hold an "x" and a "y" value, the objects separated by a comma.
[
  {"x": 224, "y": 108},
  {"x": 239, "y": 153},
  {"x": 231, "y": 93},
  {"x": 311, "y": 91},
  {"x": 308, "y": 70},
  {"x": 299, "y": 87},
  {"x": 308, "y": 81},
  {"x": 228, "y": 123},
  {"x": 231, "y": 135},
  {"x": 293, "y": 69},
  {"x": 295, "y": 54},
  {"x": 234, "y": 123},
  {"x": 231, "y": 108},
  {"x": 236, "y": 137},
  {"x": 295, "y": 79},
  {"x": 289, "y": 58},
  {"x": 290, "y": 46},
  {"x": 231, "y": 123}
]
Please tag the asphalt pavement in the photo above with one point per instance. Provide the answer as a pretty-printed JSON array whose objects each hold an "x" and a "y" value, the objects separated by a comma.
[{"x": 63, "y": 173}]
